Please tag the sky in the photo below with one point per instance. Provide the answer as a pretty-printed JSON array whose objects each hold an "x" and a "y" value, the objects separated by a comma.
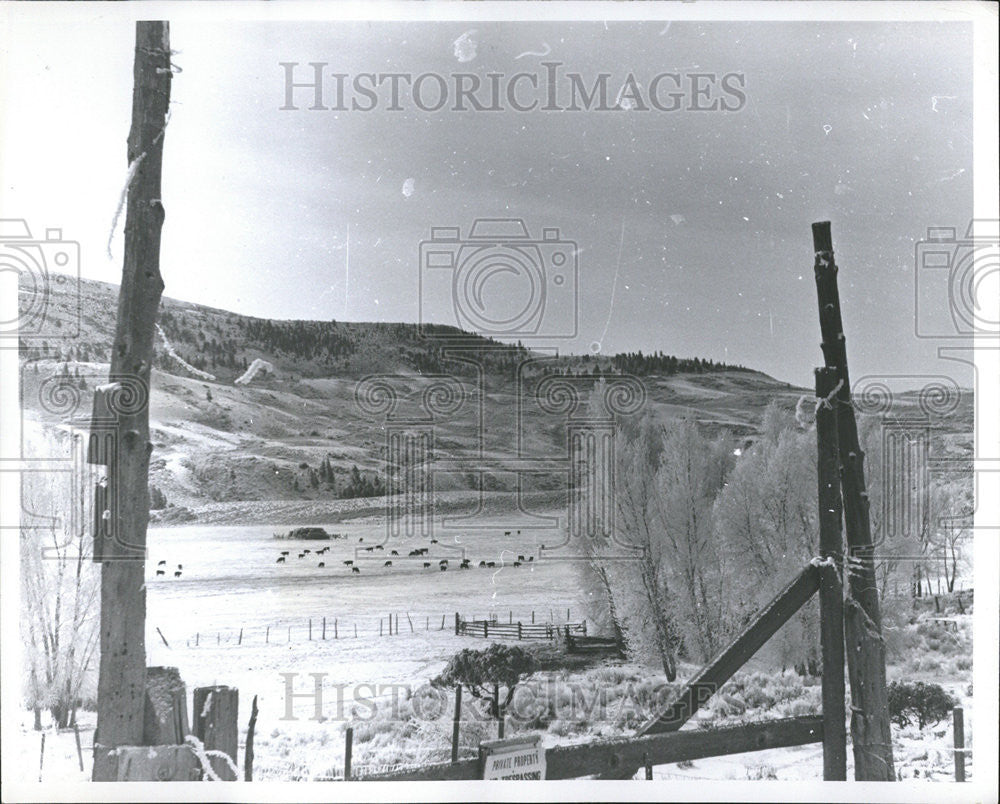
[{"x": 690, "y": 229}]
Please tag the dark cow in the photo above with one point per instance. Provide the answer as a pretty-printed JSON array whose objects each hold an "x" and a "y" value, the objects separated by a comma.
[
  {"x": 520, "y": 558},
  {"x": 379, "y": 547},
  {"x": 531, "y": 558},
  {"x": 424, "y": 551},
  {"x": 361, "y": 538},
  {"x": 444, "y": 567},
  {"x": 355, "y": 570},
  {"x": 464, "y": 565},
  {"x": 394, "y": 553},
  {"x": 387, "y": 564},
  {"x": 427, "y": 564},
  {"x": 491, "y": 563},
  {"x": 519, "y": 533},
  {"x": 281, "y": 560},
  {"x": 506, "y": 533},
  {"x": 322, "y": 563},
  {"x": 161, "y": 572},
  {"x": 302, "y": 555},
  {"x": 180, "y": 566},
  {"x": 162, "y": 564},
  {"x": 348, "y": 563},
  {"x": 284, "y": 552},
  {"x": 177, "y": 574},
  {"x": 517, "y": 563},
  {"x": 304, "y": 550},
  {"x": 482, "y": 563},
  {"x": 434, "y": 541},
  {"x": 369, "y": 549},
  {"x": 443, "y": 561}
]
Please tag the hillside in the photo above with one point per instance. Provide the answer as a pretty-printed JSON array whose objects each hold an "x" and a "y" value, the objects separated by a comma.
[{"x": 293, "y": 444}]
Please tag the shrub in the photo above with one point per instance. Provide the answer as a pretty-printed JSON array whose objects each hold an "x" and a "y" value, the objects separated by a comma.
[
  {"x": 483, "y": 672},
  {"x": 926, "y": 703},
  {"x": 157, "y": 499}
]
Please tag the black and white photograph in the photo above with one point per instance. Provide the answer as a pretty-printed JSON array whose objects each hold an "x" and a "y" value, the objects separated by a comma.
[{"x": 499, "y": 401}]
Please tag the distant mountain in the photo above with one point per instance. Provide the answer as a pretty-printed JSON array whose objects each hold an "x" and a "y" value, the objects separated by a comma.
[{"x": 305, "y": 440}]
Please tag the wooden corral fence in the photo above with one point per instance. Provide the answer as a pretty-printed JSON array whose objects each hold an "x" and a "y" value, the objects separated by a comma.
[
  {"x": 854, "y": 620},
  {"x": 497, "y": 629}
]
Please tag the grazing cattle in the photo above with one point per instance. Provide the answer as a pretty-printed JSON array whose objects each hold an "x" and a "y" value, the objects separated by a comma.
[
  {"x": 517, "y": 563},
  {"x": 519, "y": 533},
  {"x": 443, "y": 561},
  {"x": 531, "y": 558},
  {"x": 361, "y": 538},
  {"x": 379, "y": 547},
  {"x": 444, "y": 567},
  {"x": 160, "y": 572},
  {"x": 355, "y": 570},
  {"x": 543, "y": 547},
  {"x": 180, "y": 566},
  {"x": 434, "y": 541},
  {"x": 424, "y": 551},
  {"x": 464, "y": 566},
  {"x": 427, "y": 564},
  {"x": 414, "y": 552},
  {"x": 491, "y": 563},
  {"x": 322, "y": 563},
  {"x": 284, "y": 552},
  {"x": 302, "y": 555},
  {"x": 305, "y": 551},
  {"x": 482, "y": 563},
  {"x": 281, "y": 560},
  {"x": 387, "y": 564},
  {"x": 348, "y": 563},
  {"x": 369, "y": 549},
  {"x": 506, "y": 533},
  {"x": 394, "y": 553},
  {"x": 520, "y": 558},
  {"x": 162, "y": 564},
  {"x": 177, "y": 574}
]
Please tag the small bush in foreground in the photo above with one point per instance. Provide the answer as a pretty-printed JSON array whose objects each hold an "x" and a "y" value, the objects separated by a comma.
[{"x": 925, "y": 703}]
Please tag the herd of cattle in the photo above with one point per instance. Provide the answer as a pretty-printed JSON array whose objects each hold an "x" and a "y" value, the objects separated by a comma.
[{"x": 419, "y": 552}]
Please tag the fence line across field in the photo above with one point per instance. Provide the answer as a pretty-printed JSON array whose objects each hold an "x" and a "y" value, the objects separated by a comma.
[{"x": 536, "y": 625}]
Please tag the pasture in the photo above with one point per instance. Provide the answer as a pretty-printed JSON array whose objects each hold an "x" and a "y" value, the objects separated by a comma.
[{"x": 231, "y": 580}]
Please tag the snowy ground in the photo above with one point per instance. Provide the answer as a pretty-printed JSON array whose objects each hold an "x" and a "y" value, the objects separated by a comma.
[{"x": 230, "y": 581}]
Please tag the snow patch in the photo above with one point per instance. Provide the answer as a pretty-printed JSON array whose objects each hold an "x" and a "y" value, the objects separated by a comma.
[
  {"x": 254, "y": 369},
  {"x": 170, "y": 351}
]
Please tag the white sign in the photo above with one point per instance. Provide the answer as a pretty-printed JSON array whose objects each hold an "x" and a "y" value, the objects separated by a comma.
[{"x": 518, "y": 758}]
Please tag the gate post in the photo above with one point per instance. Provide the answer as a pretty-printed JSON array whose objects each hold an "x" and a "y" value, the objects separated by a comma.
[{"x": 831, "y": 595}]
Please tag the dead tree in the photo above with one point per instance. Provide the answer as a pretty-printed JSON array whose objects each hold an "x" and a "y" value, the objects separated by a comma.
[{"x": 122, "y": 546}]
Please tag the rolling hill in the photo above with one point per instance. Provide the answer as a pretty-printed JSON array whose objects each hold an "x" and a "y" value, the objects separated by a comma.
[{"x": 305, "y": 440}]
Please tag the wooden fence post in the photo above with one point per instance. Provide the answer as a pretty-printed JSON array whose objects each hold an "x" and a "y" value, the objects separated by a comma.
[
  {"x": 870, "y": 727},
  {"x": 41, "y": 757},
  {"x": 122, "y": 665},
  {"x": 216, "y": 710},
  {"x": 165, "y": 719},
  {"x": 456, "y": 623},
  {"x": 324, "y": 627},
  {"x": 267, "y": 636},
  {"x": 348, "y": 747},
  {"x": 248, "y": 753},
  {"x": 335, "y": 634},
  {"x": 958, "y": 728},
  {"x": 240, "y": 642},
  {"x": 456, "y": 723},
  {"x": 831, "y": 594},
  {"x": 310, "y": 629}
]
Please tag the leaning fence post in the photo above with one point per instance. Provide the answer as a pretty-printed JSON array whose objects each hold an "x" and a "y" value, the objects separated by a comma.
[
  {"x": 456, "y": 723},
  {"x": 959, "y": 729},
  {"x": 348, "y": 745},
  {"x": 248, "y": 752}
]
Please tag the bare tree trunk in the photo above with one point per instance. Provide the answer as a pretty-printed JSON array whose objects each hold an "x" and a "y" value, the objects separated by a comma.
[{"x": 121, "y": 681}]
